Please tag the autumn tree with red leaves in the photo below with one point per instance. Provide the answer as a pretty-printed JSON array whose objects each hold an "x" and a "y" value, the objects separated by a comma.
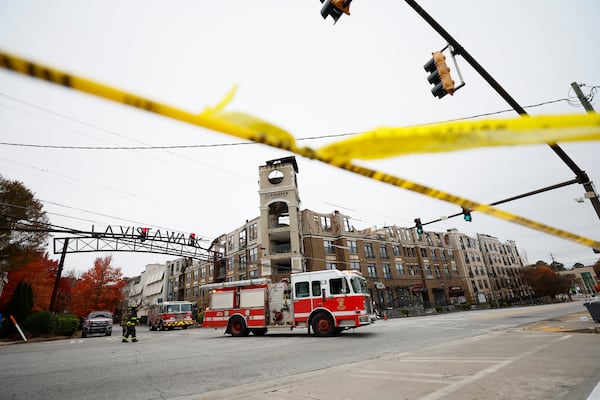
[
  {"x": 39, "y": 272},
  {"x": 545, "y": 281},
  {"x": 100, "y": 288}
]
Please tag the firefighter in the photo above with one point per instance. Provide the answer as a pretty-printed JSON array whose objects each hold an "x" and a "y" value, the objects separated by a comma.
[{"x": 129, "y": 323}]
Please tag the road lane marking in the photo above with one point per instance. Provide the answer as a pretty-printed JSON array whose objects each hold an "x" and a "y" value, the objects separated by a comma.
[{"x": 453, "y": 387}]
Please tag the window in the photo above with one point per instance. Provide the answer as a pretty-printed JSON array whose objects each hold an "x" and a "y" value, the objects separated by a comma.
[
  {"x": 230, "y": 264},
  {"x": 252, "y": 232},
  {"x": 352, "y": 248},
  {"x": 328, "y": 244},
  {"x": 383, "y": 251},
  {"x": 347, "y": 225},
  {"x": 230, "y": 242},
  {"x": 330, "y": 265},
  {"x": 355, "y": 265},
  {"x": 438, "y": 273},
  {"x": 337, "y": 286},
  {"x": 446, "y": 270},
  {"x": 359, "y": 284},
  {"x": 253, "y": 255},
  {"x": 242, "y": 262},
  {"x": 243, "y": 241},
  {"x": 428, "y": 271},
  {"x": 396, "y": 250},
  {"x": 400, "y": 268},
  {"x": 387, "y": 272},
  {"x": 254, "y": 274},
  {"x": 241, "y": 277},
  {"x": 390, "y": 297},
  {"x": 372, "y": 271},
  {"x": 369, "y": 250},
  {"x": 325, "y": 223},
  {"x": 316, "y": 288},
  {"x": 302, "y": 289}
]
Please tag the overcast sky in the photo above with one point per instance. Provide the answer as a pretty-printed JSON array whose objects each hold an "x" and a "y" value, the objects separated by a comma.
[{"x": 309, "y": 77}]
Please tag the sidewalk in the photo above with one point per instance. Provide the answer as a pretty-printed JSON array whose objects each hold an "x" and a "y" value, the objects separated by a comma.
[{"x": 580, "y": 322}]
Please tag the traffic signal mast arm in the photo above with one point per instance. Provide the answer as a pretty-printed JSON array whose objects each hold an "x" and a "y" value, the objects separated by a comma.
[{"x": 466, "y": 212}]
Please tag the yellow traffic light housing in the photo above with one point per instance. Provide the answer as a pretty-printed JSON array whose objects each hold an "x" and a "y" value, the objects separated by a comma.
[
  {"x": 444, "y": 72},
  {"x": 439, "y": 75},
  {"x": 335, "y": 8}
]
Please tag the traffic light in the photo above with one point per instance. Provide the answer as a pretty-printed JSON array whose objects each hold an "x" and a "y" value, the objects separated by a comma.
[
  {"x": 143, "y": 234},
  {"x": 467, "y": 214},
  {"x": 418, "y": 225},
  {"x": 335, "y": 8},
  {"x": 192, "y": 239},
  {"x": 439, "y": 75}
]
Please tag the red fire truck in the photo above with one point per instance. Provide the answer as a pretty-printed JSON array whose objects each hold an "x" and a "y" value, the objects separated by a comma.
[
  {"x": 327, "y": 302},
  {"x": 170, "y": 314}
]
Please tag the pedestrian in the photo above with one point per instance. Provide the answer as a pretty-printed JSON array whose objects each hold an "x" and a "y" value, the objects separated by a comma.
[{"x": 129, "y": 323}]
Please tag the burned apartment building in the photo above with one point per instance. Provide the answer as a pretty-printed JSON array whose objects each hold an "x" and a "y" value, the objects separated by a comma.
[{"x": 404, "y": 269}]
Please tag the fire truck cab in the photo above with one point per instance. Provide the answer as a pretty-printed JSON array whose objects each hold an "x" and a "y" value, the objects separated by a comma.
[{"x": 327, "y": 302}]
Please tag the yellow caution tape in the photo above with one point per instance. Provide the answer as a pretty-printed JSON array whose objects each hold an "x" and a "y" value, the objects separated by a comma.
[
  {"x": 248, "y": 127},
  {"x": 237, "y": 124},
  {"x": 451, "y": 136}
]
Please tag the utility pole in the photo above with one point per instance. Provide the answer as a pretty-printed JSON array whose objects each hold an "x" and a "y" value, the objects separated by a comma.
[{"x": 586, "y": 104}]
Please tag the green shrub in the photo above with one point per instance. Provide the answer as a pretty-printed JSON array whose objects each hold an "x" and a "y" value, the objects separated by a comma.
[
  {"x": 439, "y": 308},
  {"x": 40, "y": 323},
  {"x": 466, "y": 306},
  {"x": 66, "y": 325},
  {"x": 405, "y": 312}
]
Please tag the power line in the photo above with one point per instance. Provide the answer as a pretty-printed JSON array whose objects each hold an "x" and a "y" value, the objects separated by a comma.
[{"x": 196, "y": 146}]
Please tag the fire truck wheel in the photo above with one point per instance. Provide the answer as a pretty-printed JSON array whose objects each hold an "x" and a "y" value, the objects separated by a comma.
[
  {"x": 237, "y": 326},
  {"x": 161, "y": 326},
  {"x": 322, "y": 325}
]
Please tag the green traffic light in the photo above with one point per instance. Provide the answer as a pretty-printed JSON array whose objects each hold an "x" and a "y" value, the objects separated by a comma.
[{"x": 467, "y": 215}]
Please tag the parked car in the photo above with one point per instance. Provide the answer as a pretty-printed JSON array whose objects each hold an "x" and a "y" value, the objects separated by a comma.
[{"x": 97, "y": 322}]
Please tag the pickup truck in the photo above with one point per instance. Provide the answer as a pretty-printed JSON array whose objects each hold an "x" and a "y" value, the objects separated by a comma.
[{"x": 97, "y": 322}]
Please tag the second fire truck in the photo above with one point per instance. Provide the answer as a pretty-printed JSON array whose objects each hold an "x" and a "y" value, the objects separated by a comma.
[
  {"x": 170, "y": 314},
  {"x": 326, "y": 302}
]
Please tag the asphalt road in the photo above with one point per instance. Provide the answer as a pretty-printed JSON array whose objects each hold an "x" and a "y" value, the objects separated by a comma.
[{"x": 201, "y": 362}]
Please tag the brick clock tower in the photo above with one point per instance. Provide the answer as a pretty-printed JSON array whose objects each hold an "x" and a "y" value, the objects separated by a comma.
[{"x": 281, "y": 250}]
